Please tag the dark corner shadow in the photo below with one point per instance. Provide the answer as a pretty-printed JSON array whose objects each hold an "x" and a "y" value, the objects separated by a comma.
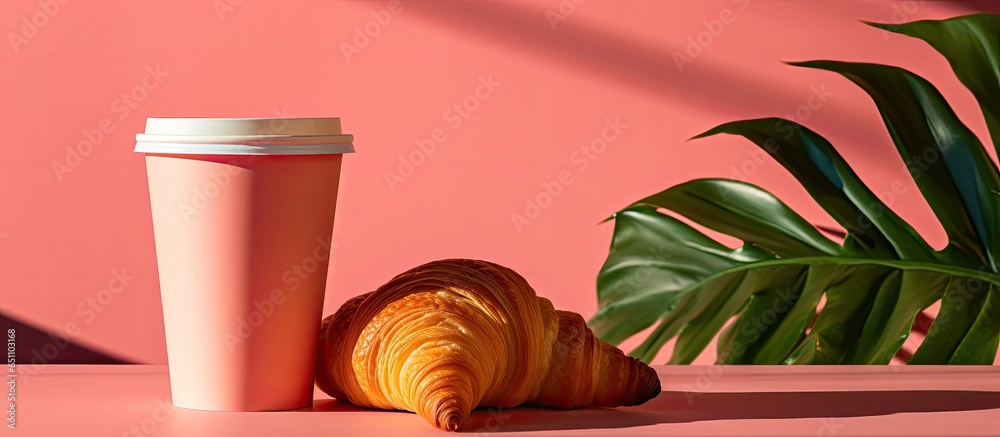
[
  {"x": 39, "y": 346},
  {"x": 646, "y": 65},
  {"x": 681, "y": 407}
]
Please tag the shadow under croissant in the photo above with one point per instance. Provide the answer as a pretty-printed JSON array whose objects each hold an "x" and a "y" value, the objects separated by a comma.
[{"x": 681, "y": 407}]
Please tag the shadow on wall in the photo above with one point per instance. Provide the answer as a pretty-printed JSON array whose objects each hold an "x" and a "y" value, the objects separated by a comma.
[
  {"x": 627, "y": 61},
  {"x": 39, "y": 347},
  {"x": 633, "y": 62}
]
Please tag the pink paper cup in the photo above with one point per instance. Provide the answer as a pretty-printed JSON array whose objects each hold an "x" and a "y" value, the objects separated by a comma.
[{"x": 243, "y": 215}]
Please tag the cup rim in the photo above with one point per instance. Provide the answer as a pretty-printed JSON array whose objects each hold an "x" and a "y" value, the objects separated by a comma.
[{"x": 244, "y": 136}]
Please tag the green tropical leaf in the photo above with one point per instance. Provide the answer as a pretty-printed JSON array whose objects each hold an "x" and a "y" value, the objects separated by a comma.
[
  {"x": 980, "y": 343},
  {"x": 959, "y": 311},
  {"x": 746, "y": 212},
  {"x": 653, "y": 257},
  {"x": 871, "y": 226},
  {"x": 971, "y": 44},
  {"x": 893, "y": 312},
  {"x": 892, "y": 293},
  {"x": 947, "y": 161},
  {"x": 663, "y": 273}
]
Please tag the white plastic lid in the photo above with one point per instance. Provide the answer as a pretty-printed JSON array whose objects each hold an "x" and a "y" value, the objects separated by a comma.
[{"x": 244, "y": 136}]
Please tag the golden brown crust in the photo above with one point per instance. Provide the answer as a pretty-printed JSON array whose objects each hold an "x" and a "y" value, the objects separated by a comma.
[{"x": 452, "y": 335}]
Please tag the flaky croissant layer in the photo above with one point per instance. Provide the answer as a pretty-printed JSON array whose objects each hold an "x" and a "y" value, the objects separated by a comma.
[{"x": 452, "y": 335}]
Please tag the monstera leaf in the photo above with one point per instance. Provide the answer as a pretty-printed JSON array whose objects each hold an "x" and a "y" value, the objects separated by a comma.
[{"x": 763, "y": 299}]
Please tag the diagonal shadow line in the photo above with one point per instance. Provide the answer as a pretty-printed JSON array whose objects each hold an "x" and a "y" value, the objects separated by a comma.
[
  {"x": 678, "y": 407},
  {"x": 35, "y": 345},
  {"x": 628, "y": 61}
]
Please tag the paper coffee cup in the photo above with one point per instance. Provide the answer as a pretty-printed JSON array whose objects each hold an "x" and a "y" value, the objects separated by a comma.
[{"x": 243, "y": 214}]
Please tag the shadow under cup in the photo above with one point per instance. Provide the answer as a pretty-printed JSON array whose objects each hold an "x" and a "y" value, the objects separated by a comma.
[{"x": 242, "y": 221}]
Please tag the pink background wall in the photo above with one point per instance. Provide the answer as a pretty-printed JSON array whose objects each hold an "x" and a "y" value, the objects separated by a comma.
[{"x": 67, "y": 225}]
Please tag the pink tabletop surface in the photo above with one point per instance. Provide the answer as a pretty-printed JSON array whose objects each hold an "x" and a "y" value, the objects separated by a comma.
[{"x": 93, "y": 400}]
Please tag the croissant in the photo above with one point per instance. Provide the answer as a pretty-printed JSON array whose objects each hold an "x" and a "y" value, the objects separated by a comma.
[{"x": 452, "y": 335}]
